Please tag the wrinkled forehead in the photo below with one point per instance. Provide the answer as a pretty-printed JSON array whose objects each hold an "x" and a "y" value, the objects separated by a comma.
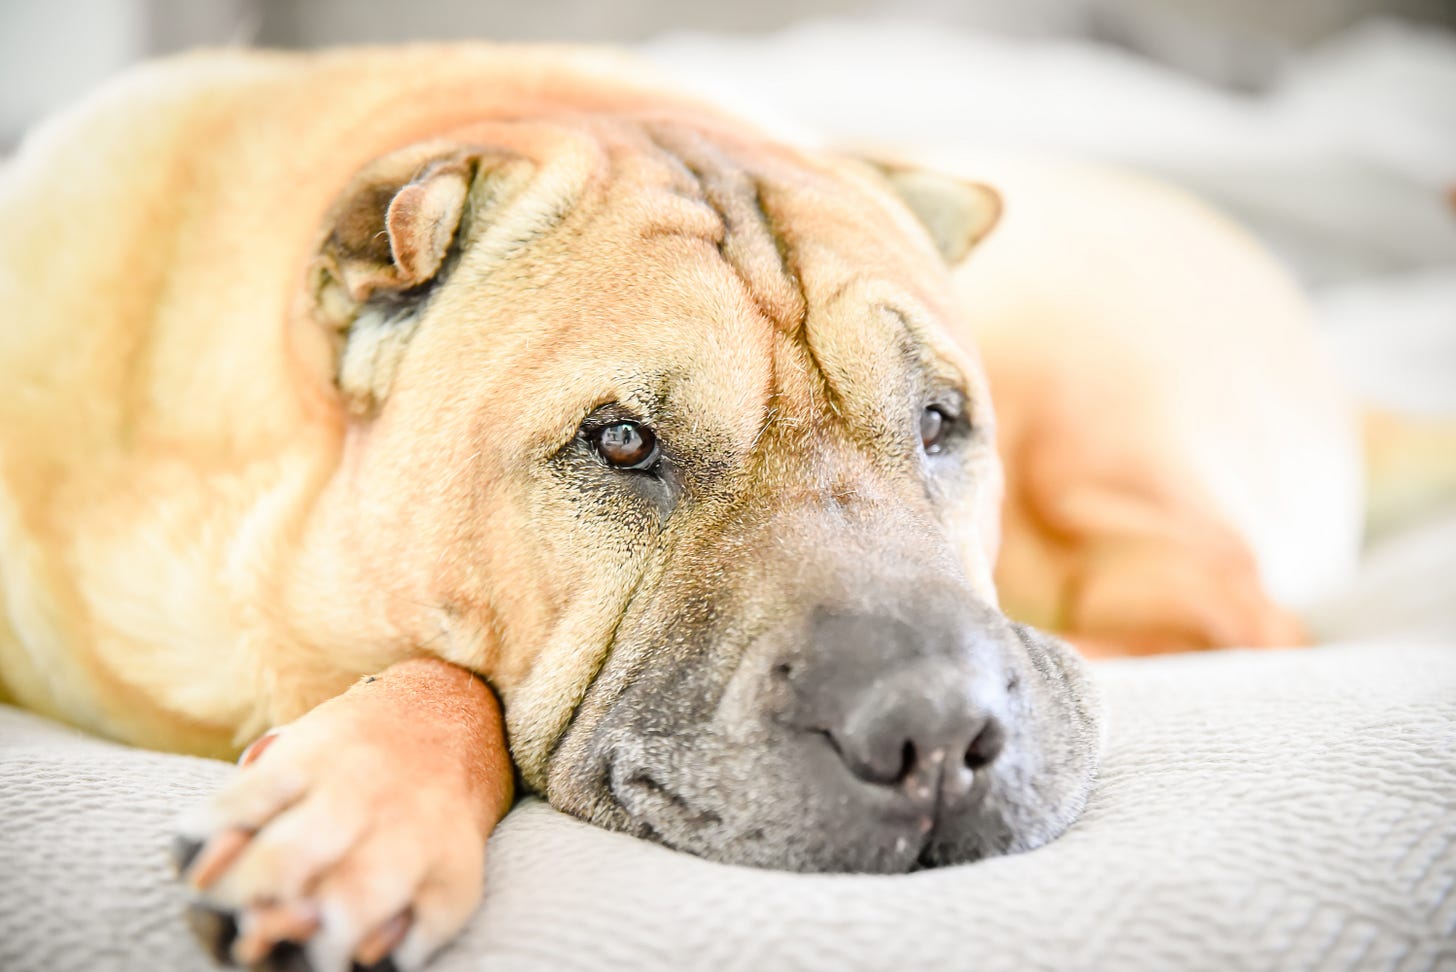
[
  {"x": 820, "y": 252},
  {"x": 714, "y": 280},
  {"x": 799, "y": 229}
]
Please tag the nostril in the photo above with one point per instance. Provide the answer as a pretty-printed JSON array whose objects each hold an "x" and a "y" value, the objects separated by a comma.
[
  {"x": 986, "y": 746},
  {"x": 890, "y": 768},
  {"x": 907, "y": 762}
]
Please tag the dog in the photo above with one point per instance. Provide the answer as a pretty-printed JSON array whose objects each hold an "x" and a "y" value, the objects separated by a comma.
[{"x": 436, "y": 418}]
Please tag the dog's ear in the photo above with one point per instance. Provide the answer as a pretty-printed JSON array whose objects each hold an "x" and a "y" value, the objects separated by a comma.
[
  {"x": 957, "y": 213},
  {"x": 387, "y": 241}
]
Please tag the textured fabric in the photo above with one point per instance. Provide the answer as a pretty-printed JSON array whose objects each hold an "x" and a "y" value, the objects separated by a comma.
[{"x": 1278, "y": 810}]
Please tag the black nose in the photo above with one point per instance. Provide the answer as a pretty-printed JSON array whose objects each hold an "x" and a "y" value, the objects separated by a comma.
[{"x": 911, "y": 706}]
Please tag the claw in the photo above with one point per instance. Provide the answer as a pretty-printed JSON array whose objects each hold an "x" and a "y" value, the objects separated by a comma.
[
  {"x": 183, "y": 852},
  {"x": 385, "y": 964},
  {"x": 284, "y": 957},
  {"x": 374, "y": 951},
  {"x": 265, "y": 927},
  {"x": 215, "y": 929}
]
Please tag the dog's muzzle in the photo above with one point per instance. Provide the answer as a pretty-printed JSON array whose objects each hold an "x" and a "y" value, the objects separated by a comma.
[
  {"x": 914, "y": 710},
  {"x": 835, "y": 721}
]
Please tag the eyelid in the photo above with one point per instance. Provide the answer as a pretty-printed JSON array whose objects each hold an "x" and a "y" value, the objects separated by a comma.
[
  {"x": 610, "y": 413},
  {"x": 954, "y": 402}
]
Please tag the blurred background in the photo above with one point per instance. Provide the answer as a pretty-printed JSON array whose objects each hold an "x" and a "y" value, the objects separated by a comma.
[{"x": 50, "y": 52}]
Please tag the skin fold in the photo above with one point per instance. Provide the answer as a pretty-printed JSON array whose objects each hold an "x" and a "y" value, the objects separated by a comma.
[{"x": 313, "y": 362}]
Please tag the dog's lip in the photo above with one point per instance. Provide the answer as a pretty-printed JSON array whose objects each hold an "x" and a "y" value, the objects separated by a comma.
[
  {"x": 661, "y": 814},
  {"x": 656, "y": 807}
]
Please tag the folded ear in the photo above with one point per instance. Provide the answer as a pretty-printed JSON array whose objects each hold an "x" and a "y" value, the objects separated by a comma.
[
  {"x": 957, "y": 213},
  {"x": 386, "y": 241}
]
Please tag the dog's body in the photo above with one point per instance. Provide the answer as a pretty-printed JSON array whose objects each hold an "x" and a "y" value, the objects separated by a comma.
[
  {"x": 318, "y": 365},
  {"x": 1165, "y": 411}
]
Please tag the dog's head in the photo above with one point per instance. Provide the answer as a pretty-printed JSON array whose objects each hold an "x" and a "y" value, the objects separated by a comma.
[{"x": 660, "y": 425}]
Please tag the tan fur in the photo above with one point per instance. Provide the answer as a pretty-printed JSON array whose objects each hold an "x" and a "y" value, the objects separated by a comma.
[
  {"x": 165, "y": 622},
  {"x": 190, "y": 588},
  {"x": 1183, "y": 468},
  {"x": 211, "y": 523},
  {"x": 397, "y": 782}
]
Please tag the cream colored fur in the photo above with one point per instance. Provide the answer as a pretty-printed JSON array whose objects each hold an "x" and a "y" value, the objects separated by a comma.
[
  {"x": 233, "y": 480},
  {"x": 1159, "y": 382},
  {"x": 169, "y": 430}
]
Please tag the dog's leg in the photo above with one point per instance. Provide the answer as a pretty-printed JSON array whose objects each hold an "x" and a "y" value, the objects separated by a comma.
[
  {"x": 1132, "y": 595},
  {"x": 1110, "y": 538},
  {"x": 1127, "y": 566},
  {"x": 356, "y": 833}
]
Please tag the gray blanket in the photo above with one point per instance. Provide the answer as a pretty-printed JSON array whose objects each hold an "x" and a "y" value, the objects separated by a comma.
[{"x": 1278, "y": 810}]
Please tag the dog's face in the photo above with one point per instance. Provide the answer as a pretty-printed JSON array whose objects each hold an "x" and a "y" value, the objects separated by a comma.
[{"x": 660, "y": 427}]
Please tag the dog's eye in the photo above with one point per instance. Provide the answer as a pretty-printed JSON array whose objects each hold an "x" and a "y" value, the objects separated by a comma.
[
  {"x": 935, "y": 422},
  {"x": 625, "y": 445}
]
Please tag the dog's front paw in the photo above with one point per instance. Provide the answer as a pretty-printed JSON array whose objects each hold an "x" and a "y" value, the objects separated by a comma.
[{"x": 354, "y": 836}]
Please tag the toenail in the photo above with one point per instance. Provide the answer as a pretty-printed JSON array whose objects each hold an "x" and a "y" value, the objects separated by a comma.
[
  {"x": 385, "y": 964},
  {"x": 285, "y": 957},
  {"x": 183, "y": 852},
  {"x": 214, "y": 929}
]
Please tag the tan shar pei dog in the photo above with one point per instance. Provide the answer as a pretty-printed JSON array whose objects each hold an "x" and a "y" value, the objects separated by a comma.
[{"x": 436, "y": 417}]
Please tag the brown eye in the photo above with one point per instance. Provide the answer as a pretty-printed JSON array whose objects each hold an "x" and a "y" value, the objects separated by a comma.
[
  {"x": 935, "y": 421},
  {"x": 625, "y": 445}
]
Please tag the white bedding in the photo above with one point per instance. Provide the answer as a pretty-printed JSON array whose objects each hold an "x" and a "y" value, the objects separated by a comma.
[
  {"x": 1289, "y": 810},
  {"x": 1276, "y": 810}
]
